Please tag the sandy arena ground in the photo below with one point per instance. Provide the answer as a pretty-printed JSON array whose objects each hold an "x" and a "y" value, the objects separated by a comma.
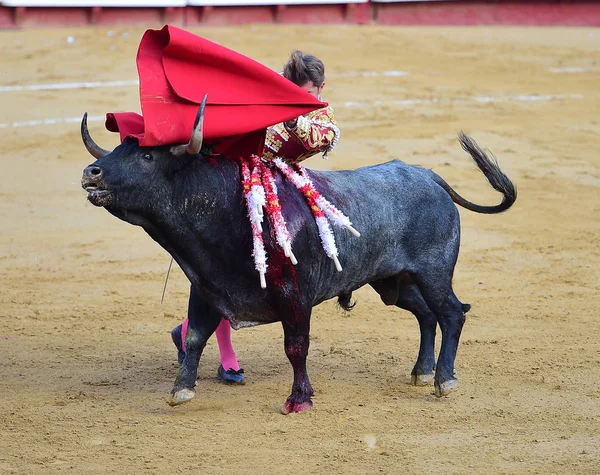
[{"x": 86, "y": 361}]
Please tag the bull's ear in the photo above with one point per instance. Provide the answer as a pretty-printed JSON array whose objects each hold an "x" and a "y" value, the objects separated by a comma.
[
  {"x": 195, "y": 144},
  {"x": 91, "y": 146}
]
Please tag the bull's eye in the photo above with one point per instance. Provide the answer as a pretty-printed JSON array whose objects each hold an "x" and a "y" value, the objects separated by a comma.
[{"x": 147, "y": 156}]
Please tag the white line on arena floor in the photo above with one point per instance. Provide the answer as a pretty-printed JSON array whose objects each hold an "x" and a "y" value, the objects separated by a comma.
[
  {"x": 398, "y": 102},
  {"x": 480, "y": 99},
  {"x": 367, "y": 74},
  {"x": 67, "y": 85},
  {"x": 64, "y": 120},
  {"x": 574, "y": 69},
  {"x": 135, "y": 82}
]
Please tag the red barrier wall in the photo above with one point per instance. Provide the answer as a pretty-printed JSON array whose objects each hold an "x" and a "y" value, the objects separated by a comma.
[
  {"x": 575, "y": 13},
  {"x": 532, "y": 12}
]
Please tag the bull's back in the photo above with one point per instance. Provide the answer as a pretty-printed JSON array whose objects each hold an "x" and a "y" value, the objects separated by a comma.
[
  {"x": 390, "y": 193},
  {"x": 404, "y": 217}
]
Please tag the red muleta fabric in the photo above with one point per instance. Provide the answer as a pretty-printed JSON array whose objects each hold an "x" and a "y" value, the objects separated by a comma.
[{"x": 177, "y": 68}]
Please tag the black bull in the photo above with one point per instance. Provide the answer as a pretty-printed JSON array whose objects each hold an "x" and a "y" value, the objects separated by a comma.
[{"x": 194, "y": 208}]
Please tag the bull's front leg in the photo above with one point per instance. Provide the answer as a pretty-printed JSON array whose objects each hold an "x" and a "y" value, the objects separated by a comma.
[
  {"x": 203, "y": 322},
  {"x": 296, "y": 341}
]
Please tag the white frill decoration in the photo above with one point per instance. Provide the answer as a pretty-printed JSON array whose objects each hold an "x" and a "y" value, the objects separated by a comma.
[
  {"x": 320, "y": 207},
  {"x": 275, "y": 216},
  {"x": 328, "y": 240},
  {"x": 260, "y": 192},
  {"x": 255, "y": 200},
  {"x": 335, "y": 215}
]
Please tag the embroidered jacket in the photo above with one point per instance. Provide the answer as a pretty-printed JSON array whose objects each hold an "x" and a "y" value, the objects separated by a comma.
[{"x": 315, "y": 132}]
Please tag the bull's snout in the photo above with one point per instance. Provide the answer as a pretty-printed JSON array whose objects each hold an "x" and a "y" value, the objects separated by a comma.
[
  {"x": 91, "y": 181},
  {"x": 94, "y": 172}
]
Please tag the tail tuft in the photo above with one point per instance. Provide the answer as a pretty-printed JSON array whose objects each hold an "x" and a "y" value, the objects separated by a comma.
[
  {"x": 344, "y": 301},
  {"x": 488, "y": 164}
]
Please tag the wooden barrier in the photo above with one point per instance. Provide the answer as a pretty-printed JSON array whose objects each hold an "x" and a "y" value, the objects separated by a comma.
[{"x": 154, "y": 13}]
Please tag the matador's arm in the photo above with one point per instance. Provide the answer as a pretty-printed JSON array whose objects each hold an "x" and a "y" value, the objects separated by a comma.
[{"x": 317, "y": 131}]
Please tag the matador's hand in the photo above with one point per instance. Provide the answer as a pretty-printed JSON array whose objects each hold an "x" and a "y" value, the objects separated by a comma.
[{"x": 291, "y": 124}]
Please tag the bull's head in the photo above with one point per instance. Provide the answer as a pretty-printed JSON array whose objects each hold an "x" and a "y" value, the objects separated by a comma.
[{"x": 115, "y": 176}]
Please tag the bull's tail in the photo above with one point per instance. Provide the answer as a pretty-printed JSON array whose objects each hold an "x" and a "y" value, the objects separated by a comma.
[{"x": 491, "y": 170}]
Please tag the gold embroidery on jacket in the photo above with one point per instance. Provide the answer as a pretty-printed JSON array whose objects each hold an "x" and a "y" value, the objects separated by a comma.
[{"x": 315, "y": 132}]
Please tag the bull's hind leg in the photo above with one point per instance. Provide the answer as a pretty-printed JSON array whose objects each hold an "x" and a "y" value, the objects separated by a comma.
[
  {"x": 440, "y": 298},
  {"x": 410, "y": 298},
  {"x": 401, "y": 290},
  {"x": 296, "y": 342},
  {"x": 203, "y": 322}
]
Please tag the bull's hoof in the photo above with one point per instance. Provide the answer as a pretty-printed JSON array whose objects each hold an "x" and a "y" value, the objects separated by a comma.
[
  {"x": 181, "y": 396},
  {"x": 421, "y": 379},
  {"x": 446, "y": 387},
  {"x": 290, "y": 407}
]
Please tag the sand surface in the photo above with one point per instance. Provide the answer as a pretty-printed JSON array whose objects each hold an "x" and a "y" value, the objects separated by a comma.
[{"x": 86, "y": 361}]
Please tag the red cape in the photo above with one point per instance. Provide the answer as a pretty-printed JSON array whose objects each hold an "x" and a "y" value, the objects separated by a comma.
[{"x": 177, "y": 68}]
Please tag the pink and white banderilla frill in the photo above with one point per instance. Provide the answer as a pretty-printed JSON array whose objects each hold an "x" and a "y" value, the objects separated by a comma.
[
  {"x": 260, "y": 192},
  {"x": 255, "y": 200},
  {"x": 322, "y": 209}
]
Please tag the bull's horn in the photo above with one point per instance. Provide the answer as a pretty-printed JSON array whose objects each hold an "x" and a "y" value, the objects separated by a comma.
[
  {"x": 91, "y": 146},
  {"x": 195, "y": 144}
]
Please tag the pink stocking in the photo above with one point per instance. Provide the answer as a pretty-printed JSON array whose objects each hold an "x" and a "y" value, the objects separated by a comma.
[
  {"x": 184, "y": 326},
  {"x": 223, "y": 332},
  {"x": 228, "y": 358}
]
